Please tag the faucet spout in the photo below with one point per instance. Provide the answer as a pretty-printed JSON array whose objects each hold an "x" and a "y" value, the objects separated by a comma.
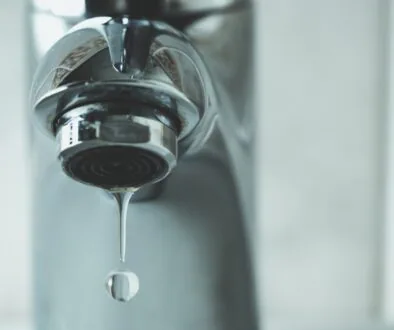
[
  {"x": 153, "y": 103},
  {"x": 129, "y": 44},
  {"x": 132, "y": 91}
]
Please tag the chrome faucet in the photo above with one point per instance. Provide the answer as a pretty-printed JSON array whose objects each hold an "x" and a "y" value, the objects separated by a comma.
[
  {"x": 154, "y": 95},
  {"x": 122, "y": 96}
]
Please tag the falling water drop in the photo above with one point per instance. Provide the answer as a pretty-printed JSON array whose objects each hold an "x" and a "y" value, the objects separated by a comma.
[{"x": 122, "y": 285}]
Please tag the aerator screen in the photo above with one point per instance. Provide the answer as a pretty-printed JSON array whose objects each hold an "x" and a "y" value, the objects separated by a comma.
[{"x": 116, "y": 166}]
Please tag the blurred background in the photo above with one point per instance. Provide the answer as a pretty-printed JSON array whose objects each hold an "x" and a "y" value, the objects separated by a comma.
[
  {"x": 324, "y": 162},
  {"x": 14, "y": 179}
]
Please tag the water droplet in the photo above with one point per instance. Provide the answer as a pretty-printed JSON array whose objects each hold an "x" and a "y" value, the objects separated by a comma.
[{"x": 122, "y": 285}]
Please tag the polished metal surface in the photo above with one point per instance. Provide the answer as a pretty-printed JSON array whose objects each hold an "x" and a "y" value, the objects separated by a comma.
[
  {"x": 145, "y": 68},
  {"x": 191, "y": 246},
  {"x": 79, "y": 135}
]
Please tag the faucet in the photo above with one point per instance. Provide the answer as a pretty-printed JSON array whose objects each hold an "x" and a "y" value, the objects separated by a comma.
[
  {"x": 154, "y": 96},
  {"x": 122, "y": 96}
]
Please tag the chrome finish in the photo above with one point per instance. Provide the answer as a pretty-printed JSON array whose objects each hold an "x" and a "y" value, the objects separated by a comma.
[
  {"x": 146, "y": 69},
  {"x": 193, "y": 245},
  {"x": 164, "y": 70},
  {"x": 79, "y": 134}
]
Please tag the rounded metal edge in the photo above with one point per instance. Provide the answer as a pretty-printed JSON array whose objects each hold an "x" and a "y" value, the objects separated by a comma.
[
  {"x": 46, "y": 110},
  {"x": 161, "y": 140}
]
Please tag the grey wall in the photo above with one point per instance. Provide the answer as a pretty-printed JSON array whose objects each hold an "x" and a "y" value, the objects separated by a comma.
[
  {"x": 321, "y": 165},
  {"x": 14, "y": 177}
]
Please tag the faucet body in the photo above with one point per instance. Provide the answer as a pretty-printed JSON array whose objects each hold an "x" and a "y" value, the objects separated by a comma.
[{"x": 182, "y": 71}]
